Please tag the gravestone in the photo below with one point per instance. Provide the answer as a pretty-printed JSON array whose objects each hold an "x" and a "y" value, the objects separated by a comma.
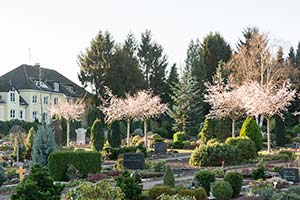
[
  {"x": 80, "y": 136},
  {"x": 290, "y": 174},
  {"x": 160, "y": 148},
  {"x": 134, "y": 160}
]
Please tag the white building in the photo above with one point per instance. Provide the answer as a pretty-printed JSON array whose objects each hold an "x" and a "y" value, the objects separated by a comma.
[{"x": 27, "y": 91}]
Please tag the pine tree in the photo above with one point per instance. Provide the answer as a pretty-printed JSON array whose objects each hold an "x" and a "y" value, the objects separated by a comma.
[
  {"x": 186, "y": 106},
  {"x": 279, "y": 131},
  {"x": 29, "y": 142},
  {"x": 97, "y": 136},
  {"x": 43, "y": 145},
  {"x": 115, "y": 135}
]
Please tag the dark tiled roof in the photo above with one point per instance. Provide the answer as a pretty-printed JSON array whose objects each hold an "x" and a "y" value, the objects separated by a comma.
[
  {"x": 23, "y": 102},
  {"x": 24, "y": 77}
]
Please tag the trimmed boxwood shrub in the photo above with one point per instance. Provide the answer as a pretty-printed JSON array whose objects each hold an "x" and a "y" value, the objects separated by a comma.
[
  {"x": 213, "y": 155},
  {"x": 156, "y": 191},
  {"x": 179, "y": 136},
  {"x": 222, "y": 190},
  {"x": 204, "y": 178},
  {"x": 252, "y": 130},
  {"x": 87, "y": 162},
  {"x": 235, "y": 179},
  {"x": 198, "y": 193},
  {"x": 245, "y": 145}
]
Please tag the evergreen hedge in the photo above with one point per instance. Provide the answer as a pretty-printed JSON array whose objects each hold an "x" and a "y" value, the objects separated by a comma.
[{"x": 86, "y": 162}]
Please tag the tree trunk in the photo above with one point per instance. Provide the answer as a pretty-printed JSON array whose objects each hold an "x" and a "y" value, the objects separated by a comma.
[
  {"x": 233, "y": 128},
  {"x": 68, "y": 133},
  {"x": 17, "y": 152},
  {"x": 128, "y": 131},
  {"x": 268, "y": 135},
  {"x": 261, "y": 122},
  {"x": 145, "y": 134}
]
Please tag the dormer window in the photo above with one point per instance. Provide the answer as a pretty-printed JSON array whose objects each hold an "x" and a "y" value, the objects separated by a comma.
[
  {"x": 56, "y": 86},
  {"x": 70, "y": 88},
  {"x": 41, "y": 84}
]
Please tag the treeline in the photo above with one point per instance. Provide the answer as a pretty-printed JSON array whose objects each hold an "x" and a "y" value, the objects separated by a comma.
[{"x": 137, "y": 64}]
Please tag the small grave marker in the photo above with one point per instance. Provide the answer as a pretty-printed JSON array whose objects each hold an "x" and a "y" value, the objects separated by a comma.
[
  {"x": 134, "y": 160},
  {"x": 21, "y": 172},
  {"x": 290, "y": 174},
  {"x": 160, "y": 148}
]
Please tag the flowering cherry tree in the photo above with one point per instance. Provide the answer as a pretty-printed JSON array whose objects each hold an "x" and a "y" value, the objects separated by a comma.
[
  {"x": 115, "y": 108},
  {"x": 225, "y": 102},
  {"x": 146, "y": 106},
  {"x": 267, "y": 100},
  {"x": 141, "y": 106},
  {"x": 70, "y": 110}
]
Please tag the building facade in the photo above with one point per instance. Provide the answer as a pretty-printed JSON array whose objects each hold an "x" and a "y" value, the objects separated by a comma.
[{"x": 27, "y": 91}]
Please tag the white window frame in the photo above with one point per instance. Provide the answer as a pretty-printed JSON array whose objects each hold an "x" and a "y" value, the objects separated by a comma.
[
  {"x": 46, "y": 100},
  {"x": 34, "y": 99},
  {"x": 21, "y": 114},
  {"x": 12, "y": 97},
  {"x": 55, "y": 100},
  {"x": 34, "y": 115},
  {"x": 12, "y": 114}
]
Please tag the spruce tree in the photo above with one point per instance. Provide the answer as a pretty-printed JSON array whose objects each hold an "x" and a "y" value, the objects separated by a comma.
[
  {"x": 43, "y": 145},
  {"x": 97, "y": 136},
  {"x": 115, "y": 135},
  {"x": 186, "y": 106},
  {"x": 29, "y": 142},
  {"x": 297, "y": 58},
  {"x": 153, "y": 62},
  {"x": 248, "y": 34},
  {"x": 214, "y": 49},
  {"x": 125, "y": 74},
  {"x": 279, "y": 131},
  {"x": 291, "y": 57},
  {"x": 173, "y": 80}
]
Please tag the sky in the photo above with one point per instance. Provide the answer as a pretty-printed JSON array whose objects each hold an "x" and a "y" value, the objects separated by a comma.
[{"x": 56, "y": 31}]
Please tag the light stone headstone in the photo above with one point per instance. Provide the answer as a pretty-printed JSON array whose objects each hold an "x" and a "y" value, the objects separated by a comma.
[{"x": 80, "y": 133}]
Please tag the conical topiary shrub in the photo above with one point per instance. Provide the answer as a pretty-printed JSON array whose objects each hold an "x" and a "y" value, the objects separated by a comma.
[
  {"x": 252, "y": 130},
  {"x": 169, "y": 177}
]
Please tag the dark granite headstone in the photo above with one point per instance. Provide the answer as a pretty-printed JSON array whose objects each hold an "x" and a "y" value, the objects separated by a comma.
[
  {"x": 290, "y": 174},
  {"x": 134, "y": 160},
  {"x": 160, "y": 148}
]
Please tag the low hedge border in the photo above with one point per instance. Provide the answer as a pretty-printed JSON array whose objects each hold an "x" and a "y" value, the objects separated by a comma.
[{"x": 87, "y": 162}]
